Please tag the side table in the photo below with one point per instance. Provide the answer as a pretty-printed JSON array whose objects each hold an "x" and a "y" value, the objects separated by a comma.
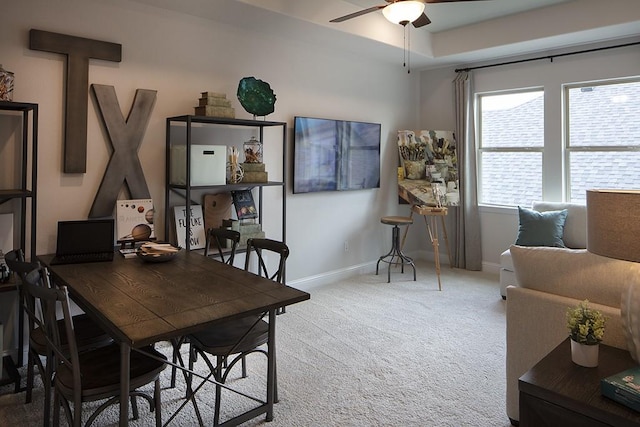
[{"x": 557, "y": 392}]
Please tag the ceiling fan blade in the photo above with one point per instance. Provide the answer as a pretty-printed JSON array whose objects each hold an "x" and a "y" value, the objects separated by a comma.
[
  {"x": 356, "y": 14},
  {"x": 422, "y": 21}
]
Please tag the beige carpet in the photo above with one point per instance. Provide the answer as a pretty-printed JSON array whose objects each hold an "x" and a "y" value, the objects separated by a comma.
[{"x": 363, "y": 352}]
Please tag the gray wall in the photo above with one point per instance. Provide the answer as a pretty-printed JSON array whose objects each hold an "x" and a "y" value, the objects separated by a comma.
[
  {"x": 499, "y": 225},
  {"x": 181, "y": 56}
]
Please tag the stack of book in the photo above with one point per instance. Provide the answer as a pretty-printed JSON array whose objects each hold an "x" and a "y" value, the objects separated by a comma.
[
  {"x": 215, "y": 105},
  {"x": 247, "y": 231},
  {"x": 623, "y": 387},
  {"x": 254, "y": 172}
]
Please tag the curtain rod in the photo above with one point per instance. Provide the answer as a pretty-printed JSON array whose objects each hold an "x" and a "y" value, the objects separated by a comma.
[{"x": 549, "y": 57}]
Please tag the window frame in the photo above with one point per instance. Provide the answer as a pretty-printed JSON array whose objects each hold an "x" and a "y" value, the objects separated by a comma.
[
  {"x": 567, "y": 149},
  {"x": 480, "y": 149}
]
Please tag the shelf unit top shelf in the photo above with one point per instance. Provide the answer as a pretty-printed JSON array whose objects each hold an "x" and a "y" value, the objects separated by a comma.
[
  {"x": 224, "y": 121},
  {"x": 17, "y": 106},
  {"x": 238, "y": 186}
]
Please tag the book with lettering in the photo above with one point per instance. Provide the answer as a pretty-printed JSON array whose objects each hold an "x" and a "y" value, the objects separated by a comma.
[
  {"x": 623, "y": 387},
  {"x": 197, "y": 237},
  {"x": 244, "y": 204}
]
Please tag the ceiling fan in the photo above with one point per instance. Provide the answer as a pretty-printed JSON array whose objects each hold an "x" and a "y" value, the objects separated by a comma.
[{"x": 401, "y": 11}]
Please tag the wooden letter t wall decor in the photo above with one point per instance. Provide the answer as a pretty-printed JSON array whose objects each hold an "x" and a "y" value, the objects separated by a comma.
[
  {"x": 78, "y": 50},
  {"x": 126, "y": 137}
]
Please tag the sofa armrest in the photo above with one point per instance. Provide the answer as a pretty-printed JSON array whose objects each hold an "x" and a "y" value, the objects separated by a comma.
[
  {"x": 536, "y": 324},
  {"x": 573, "y": 273}
]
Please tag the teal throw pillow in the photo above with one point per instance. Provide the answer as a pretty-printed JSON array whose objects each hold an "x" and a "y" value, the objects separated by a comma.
[{"x": 541, "y": 228}]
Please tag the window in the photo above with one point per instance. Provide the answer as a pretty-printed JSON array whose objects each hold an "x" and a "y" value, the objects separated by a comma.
[
  {"x": 510, "y": 147},
  {"x": 600, "y": 148},
  {"x": 603, "y": 136}
]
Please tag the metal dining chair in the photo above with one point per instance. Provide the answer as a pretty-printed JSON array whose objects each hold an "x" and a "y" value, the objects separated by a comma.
[
  {"x": 88, "y": 334},
  {"x": 230, "y": 342},
  {"x": 216, "y": 240},
  {"x": 90, "y": 375},
  {"x": 219, "y": 237}
]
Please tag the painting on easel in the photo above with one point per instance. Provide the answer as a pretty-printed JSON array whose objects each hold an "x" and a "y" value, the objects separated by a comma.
[
  {"x": 431, "y": 155},
  {"x": 435, "y": 149}
]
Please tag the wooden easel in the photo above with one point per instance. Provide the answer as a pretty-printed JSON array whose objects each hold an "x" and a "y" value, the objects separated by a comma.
[{"x": 432, "y": 228}]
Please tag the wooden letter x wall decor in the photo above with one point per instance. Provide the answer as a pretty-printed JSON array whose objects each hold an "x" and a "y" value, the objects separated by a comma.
[{"x": 126, "y": 137}]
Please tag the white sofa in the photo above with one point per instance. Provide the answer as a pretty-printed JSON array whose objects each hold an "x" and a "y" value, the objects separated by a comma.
[
  {"x": 575, "y": 237},
  {"x": 549, "y": 281}
]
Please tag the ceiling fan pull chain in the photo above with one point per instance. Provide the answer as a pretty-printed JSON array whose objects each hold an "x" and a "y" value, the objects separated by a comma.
[
  {"x": 408, "y": 49},
  {"x": 404, "y": 46}
]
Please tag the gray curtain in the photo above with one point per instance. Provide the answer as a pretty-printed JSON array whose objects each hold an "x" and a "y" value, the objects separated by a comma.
[{"x": 468, "y": 254}]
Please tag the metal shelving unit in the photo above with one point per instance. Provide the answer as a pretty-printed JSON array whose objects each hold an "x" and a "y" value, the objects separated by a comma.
[
  {"x": 185, "y": 191},
  {"x": 25, "y": 192}
]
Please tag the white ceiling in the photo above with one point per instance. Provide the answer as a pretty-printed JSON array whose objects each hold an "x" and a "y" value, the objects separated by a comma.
[
  {"x": 446, "y": 16},
  {"x": 460, "y": 33}
]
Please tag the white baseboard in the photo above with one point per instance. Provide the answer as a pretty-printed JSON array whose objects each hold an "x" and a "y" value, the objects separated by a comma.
[{"x": 307, "y": 283}]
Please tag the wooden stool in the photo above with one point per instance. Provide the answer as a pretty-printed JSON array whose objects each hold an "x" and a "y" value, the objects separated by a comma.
[
  {"x": 395, "y": 255},
  {"x": 432, "y": 228}
]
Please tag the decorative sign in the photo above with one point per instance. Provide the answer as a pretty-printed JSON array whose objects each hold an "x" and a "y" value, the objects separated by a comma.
[
  {"x": 134, "y": 219},
  {"x": 197, "y": 237}
]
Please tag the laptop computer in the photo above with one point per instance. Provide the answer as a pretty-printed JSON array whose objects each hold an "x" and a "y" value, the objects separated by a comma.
[{"x": 84, "y": 241}]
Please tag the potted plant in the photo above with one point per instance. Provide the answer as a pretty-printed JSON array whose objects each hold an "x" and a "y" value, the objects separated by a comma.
[{"x": 586, "y": 329}]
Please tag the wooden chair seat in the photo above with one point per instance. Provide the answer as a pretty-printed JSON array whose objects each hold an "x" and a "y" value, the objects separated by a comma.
[
  {"x": 222, "y": 339},
  {"x": 100, "y": 372},
  {"x": 89, "y": 335}
]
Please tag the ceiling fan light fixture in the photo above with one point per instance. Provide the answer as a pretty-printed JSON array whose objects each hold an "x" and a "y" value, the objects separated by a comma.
[{"x": 403, "y": 12}]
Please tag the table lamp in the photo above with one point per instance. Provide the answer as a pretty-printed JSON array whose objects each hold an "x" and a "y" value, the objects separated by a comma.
[{"x": 613, "y": 231}]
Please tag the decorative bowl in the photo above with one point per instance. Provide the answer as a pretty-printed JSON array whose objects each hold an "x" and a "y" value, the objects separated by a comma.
[{"x": 157, "y": 252}]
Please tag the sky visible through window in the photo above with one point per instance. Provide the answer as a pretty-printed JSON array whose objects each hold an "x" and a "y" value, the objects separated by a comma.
[{"x": 508, "y": 101}]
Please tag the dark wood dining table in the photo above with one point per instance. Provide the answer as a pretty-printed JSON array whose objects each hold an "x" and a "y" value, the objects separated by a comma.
[{"x": 141, "y": 303}]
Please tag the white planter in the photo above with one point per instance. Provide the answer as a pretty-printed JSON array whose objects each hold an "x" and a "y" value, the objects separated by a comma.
[{"x": 584, "y": 355}]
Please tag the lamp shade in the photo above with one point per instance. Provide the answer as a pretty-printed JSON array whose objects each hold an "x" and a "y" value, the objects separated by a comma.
[
  {"x": 613, "y": 223},
  {"x": 403, "y": 11}
]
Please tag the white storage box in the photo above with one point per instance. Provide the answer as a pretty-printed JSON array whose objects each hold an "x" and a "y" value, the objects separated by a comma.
[{"x": 208, "y": 164}]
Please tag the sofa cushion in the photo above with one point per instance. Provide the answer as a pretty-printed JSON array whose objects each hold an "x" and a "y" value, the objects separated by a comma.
[
  {"x": 575, "y": 226},
  {"x": 573, "y": 273},
  {"x": 541, "y": 228}
]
